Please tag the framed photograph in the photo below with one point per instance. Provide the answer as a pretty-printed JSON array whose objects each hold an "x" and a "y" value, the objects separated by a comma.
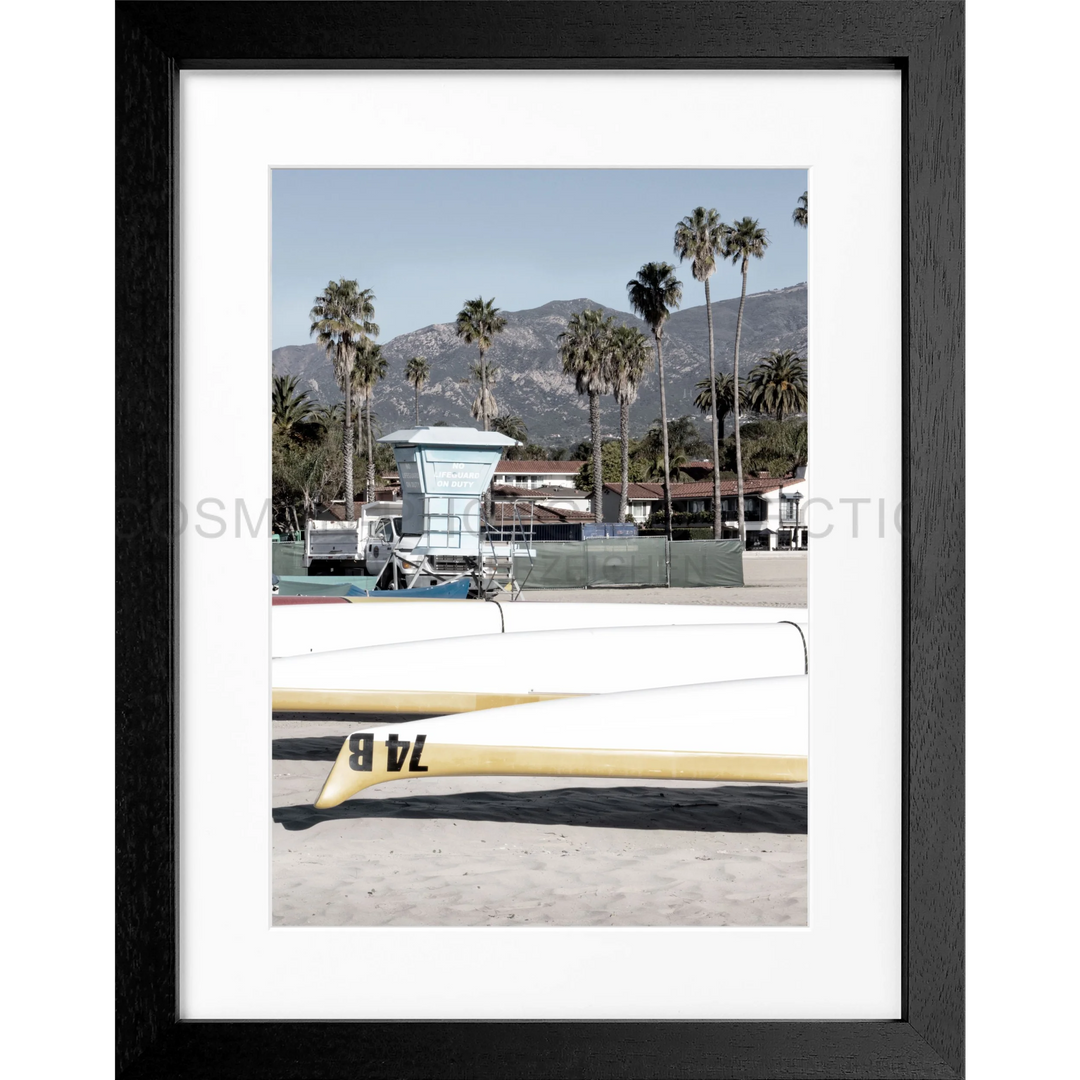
[
  {"x": 379, "y": 874},
  {"x": 223, "y": 149}
]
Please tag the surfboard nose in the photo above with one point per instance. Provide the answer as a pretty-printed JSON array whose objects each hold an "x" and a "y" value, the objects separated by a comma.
[{"x": 347, "y": 776}]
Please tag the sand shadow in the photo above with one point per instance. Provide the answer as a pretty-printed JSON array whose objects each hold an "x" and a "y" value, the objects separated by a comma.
[
  {"x": 747, "y": 808},
  {"x": 312, "y": 748},
  {"x": 355, "y": 720}
]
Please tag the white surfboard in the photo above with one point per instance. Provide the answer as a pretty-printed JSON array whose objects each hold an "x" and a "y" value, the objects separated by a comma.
[
  {"x": 296, "y": 631},
  {"x": 467, "y": 673},
  {"x": 747, "y": 730},
  {"x": 523, "y": 616},
  {"x": 324, "y": 627}
]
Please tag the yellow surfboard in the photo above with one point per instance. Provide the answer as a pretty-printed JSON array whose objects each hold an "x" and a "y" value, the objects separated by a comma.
[{"x": 745, "y": 730}]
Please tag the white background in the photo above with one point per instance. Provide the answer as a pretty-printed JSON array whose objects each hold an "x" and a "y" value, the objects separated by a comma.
[{"x": 846, "y": 127}]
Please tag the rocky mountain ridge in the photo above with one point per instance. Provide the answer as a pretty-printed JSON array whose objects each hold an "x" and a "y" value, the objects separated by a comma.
[{"x": 531, "y": 383}]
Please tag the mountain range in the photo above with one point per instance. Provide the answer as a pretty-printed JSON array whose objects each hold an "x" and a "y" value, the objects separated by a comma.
[{"x": 531, "y": 383}]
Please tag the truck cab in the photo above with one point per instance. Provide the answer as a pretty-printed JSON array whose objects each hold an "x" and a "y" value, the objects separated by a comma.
[{"x": 379, "y": 548}]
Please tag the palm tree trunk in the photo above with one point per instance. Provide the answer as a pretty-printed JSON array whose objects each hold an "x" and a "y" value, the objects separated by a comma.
[
  {"x": 624, "y": 438},
  {"x": 738, "y": 396},
  {"x": 597, "y": 459},
  {"x": 718, "y": 527},
  {"x": 483, "y": 390},
  {"x": 369, "y": 493},
  {"x": 667, "y": 457},
  {"x": 417, "y": 389},
  {"x": 489, "y": 494},
  {"x": 348, "y": 448},
  {"x": 347, "y": 358},
  {"x": 721, "y": 417}
]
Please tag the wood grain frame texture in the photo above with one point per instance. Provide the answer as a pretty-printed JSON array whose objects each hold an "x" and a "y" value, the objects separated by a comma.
[{"x": 924, "y": 39}]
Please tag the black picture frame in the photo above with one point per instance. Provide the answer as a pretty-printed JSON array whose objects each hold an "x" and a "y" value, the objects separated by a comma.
[{"x": 924, "y": 40}]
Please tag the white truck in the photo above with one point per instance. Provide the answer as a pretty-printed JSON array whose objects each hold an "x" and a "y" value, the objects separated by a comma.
[{"x": 338, "y": 547}]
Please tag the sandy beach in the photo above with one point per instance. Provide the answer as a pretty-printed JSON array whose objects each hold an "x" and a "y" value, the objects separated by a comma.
[{"x": 538, "y": 851}]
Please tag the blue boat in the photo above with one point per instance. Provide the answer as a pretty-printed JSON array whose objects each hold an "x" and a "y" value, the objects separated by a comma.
[
  {"x": 298, "y": 585},
  {"x": 451, "y": 590}
]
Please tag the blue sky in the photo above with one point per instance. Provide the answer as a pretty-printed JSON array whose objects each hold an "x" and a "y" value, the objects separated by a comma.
[{"x": 426, "y": 240}]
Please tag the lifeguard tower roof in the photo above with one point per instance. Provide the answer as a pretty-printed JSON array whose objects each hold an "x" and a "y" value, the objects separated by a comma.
[
  {"x": 447, "y": 436},
  {"x": 444, "y": 473}
]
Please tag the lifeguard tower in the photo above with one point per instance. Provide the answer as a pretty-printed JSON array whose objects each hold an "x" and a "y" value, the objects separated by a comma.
[{"x": 444, "y": 473}]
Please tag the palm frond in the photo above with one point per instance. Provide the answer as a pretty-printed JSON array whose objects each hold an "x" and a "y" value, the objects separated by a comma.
[
  {"x": 801, "y": 214},
  {"x": 699, "y": 237},
  {"x": 745, "y": 240},
  {"x": 654, "y": 292},
  {"x": 584, "y": 347}
]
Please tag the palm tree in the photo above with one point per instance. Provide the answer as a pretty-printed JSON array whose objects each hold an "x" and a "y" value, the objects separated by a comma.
[
  {"x": 650, "y": 454},
  {"x": 328, "y": 415},
  {"x": 585, "y": 347},
  {"x": 370, "y": 368},
  {"x": 629, "y": 357},
  {"x": 700, "y": 238},
  {"x": 477, "y": 323},
  {"x": 777, "y": 447},
  {"x": 652, "y": 295},
  {"x": 417, "y": 371},
  {"x": 777, "y": 384},
  {"x": 801, "y": 214},
  {"x": 652, "y": 466},
  {"x": 743, "y": 241},
  {"x": 340, "y": 319},
  {"x": 484, "y": 406},
  {"x": 513, "y": 427},
  {"x": 292, "y": 412},
  {"x": 724, "y": 386}
]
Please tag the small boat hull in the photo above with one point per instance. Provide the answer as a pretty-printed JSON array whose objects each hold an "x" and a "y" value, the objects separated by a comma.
[
  {"x": 451, "y": 590},
  {"x": 464, "y": 674},
  {"x": 322, "y": 585},
  {"x": 297, "y": 630},
  {"x": 744, "y": 730}
]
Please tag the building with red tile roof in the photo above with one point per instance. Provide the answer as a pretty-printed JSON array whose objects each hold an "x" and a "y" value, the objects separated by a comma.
[
  {"x": 771, "y": 506},
  {"x": 528, "y": 474}
]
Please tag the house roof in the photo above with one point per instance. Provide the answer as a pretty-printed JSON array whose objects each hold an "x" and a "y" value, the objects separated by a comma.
[
  {"x": 564, "y": 468},
  {"x": 704, "y": 488},
  {"x": 552, "y": 492},
  {"x": 646, "y": 492},
  {"x": 542, "y": 515}
]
